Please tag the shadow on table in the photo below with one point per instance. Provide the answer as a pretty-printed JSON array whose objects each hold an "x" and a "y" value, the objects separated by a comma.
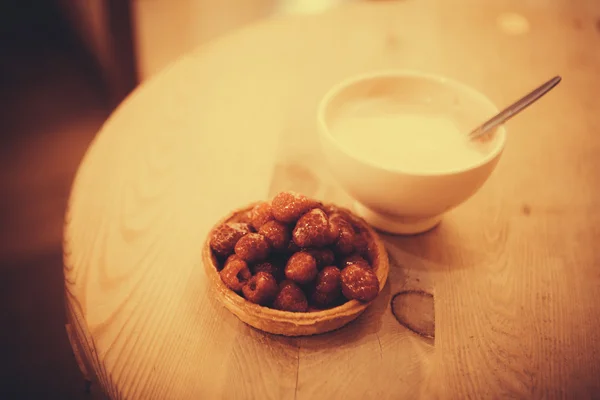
[{"x": 438, "y": 250}]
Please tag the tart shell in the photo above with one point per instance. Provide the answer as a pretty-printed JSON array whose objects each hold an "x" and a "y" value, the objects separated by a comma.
[{"x": 294, "y": 323}]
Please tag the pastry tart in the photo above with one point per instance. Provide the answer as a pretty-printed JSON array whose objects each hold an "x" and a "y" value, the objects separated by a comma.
[{"x": 294, "y": 266}]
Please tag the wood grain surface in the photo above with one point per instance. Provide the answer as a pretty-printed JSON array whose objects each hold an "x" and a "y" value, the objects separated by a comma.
[{"x": 511, "y": 276}]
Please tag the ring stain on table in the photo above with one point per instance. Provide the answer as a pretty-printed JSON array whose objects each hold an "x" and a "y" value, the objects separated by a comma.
[{"x": 414, "y": 310}]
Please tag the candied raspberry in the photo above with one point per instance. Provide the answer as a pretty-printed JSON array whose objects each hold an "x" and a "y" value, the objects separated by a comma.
[
  {"x": 354, "y": 259},
  {"x": 323, "y": 300},
  {"x": 260, "y": 214},
  {"x": 225, "y": 236},
  {"x": 261, "y": 288},
  {"x": 361, "y": 244},
  {"x": 327, "y": 288},
  {"x": 244, "y": 217},
  {"x": 277, "y": 233},
  {"x": 235, "y": 273},
  {"x": 328, "y": 280},
  {"x": 359, "y": 283},
  {"x": 253, "y": 247},
  {"x": 290, "y": 206},
  {"x": 344, "y": 244},
  {"x": 312, "y": 230},
  {"x": 290, "y": 298},
  {"x": 267, "y": 267},
  {"x": 272, "y": 266},
  {"x": 324, "y": 257},
  {"x": 301, "y": 268},
  {"x": 240, "y": 226}
]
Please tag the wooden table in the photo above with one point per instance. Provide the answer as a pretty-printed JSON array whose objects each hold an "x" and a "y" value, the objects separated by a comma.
[{"x": 515, "y": 271}]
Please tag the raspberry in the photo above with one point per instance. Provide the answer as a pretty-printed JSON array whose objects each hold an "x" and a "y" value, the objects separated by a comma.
[
  {"x": 312, "y": 230},
  {"x": 253, "y": 247},
  {"x": 266, "y": 266},
  {"x": 324, "y": 257},
  {"x": 240, "y": 226},
  {"x": 327, "y": 289},
  {"x": 328, "y": 280},
  {"x": 290, "y": 298},
  {"x": 290, "y": 206},
  {"x": 225, "y": 236},
  {"x": 235, "y": 273},
  {"x": 278, "y": 234},
  {"x": 354, "y": 259},
  {"x": 260, "y": 214},
  {"x": 261, "y": 288},
  {"x": 301, "y": 268},
  {"x": 271, "y": 267},
  {"x": 344, "y": 244},
  {"x": 325, "y": 300},
  {"x": 244, "y": 217},
  {"x": 361, "y": 244},
  {"x": 359, "y": 283}
]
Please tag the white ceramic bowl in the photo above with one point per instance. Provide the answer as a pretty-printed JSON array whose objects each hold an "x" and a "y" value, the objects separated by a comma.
[{"x": 400, "y": 200}]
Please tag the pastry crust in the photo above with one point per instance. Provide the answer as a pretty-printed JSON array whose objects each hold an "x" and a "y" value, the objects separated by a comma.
[{"x": 294, "y": 323}]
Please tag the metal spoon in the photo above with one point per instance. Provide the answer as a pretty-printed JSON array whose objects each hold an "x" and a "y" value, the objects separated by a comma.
[{"x": 514, "y": 108}]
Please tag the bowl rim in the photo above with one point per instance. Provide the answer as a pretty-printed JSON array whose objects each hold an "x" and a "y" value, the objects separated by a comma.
[
  {"x": 335, "y": 90},
  {"x": 351, "y": 307}
]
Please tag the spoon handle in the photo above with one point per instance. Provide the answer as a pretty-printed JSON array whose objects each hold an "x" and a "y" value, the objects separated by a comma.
[{"x": 515, "y": 108}]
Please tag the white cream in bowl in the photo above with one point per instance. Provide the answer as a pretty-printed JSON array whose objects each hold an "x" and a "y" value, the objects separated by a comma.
[{"x": 402, "y": 138}]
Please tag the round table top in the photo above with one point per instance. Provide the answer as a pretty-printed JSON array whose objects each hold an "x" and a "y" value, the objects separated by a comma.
[{"x": 514, "y": 271}]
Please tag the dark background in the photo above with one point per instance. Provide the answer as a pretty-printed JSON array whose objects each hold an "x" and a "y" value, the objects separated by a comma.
[{"x": 52, "y": 102}]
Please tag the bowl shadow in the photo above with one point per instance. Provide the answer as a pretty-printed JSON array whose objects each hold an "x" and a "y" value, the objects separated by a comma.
[{"x": 440, "y": 249}]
